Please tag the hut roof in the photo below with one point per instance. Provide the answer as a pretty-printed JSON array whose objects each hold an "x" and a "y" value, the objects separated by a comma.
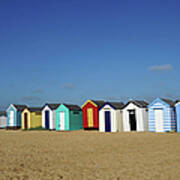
[
  {"x": 35, "y": 109},
  {"x": 72, "y": 107},
  {"x": 53, "y": 106},
  {"x": 99, "y": 103},
  {"x": 117, "y": 105},
  {"x": 177, "y": 101},
  {"x": 3, "y": 113},
  {"x": 168, "y": 101},
  {"x": 139, "y": 103},
  {"x": 19, "y": 107}
]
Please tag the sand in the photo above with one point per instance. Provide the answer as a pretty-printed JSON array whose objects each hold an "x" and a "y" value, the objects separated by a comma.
[{"x": 89, "y": 155}]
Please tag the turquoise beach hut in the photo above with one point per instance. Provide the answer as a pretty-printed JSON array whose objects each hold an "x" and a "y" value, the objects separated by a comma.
[{"x": 68, "y": 117}]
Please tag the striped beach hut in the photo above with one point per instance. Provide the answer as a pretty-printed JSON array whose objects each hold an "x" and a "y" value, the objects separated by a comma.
[
  {"x": 110, "y": 117},
  {"x": 177, "y": 106},
  {"x": 68, "y": 117},
  {"x": 3, "y": 120},
  {"x": 49, "y": 116},
  {"x": 14, "y": 116},
  {"x": 91, "y": 114},
  {"x": 31, "y": 118},
  {"x": 135, "y": 116},
  {"x": 177, "y": 109},
  {"x": 162, "y": 115}
]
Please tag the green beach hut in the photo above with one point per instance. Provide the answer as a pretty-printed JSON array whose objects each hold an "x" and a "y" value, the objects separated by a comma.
[{"x": 69, "y": 117}]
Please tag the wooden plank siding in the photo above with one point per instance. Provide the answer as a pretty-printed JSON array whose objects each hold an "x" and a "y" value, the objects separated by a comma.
[
  {"x": 169, "y": 119},
  {"x": 34, "y": 119}
]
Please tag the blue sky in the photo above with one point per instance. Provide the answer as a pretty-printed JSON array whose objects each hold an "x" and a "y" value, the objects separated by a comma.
[{"x": 69, "y": 51}]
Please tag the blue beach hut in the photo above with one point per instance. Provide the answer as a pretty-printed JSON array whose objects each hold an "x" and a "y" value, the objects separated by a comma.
[
  {"x": 162, "y": 117},
  {"x": 177, "y": 105},
  {"x": 14, "y": 116}
]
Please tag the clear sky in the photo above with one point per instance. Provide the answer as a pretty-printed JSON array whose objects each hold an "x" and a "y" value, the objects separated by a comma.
[{"x": 72, "y": 50}]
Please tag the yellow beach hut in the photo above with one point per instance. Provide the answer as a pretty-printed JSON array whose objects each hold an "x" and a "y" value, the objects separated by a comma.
[{"x": 31, "y": 118}]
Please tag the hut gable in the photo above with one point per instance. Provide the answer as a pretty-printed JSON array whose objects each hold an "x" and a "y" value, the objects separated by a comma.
[
  {"x": 52, "y": 106},
  {"x": 140, "y": 104},
  {"x": 17, "y": 107},
  {"x": 46, "y": 108},
  {"x": 114, "y": 105},
  {"x": 161, "y": 102},
  {"x": 96, "y": 103}
]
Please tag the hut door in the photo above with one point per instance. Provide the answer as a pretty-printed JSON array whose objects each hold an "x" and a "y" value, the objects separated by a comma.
[
  {"x": 132, "y": 120},
  {"x": 159, "y": 120},
  {"x": 25, "y": 120},
  {"x": 62, "y": 121},
  {"x": 107, "y": 121},
  {"x": 90, "y": 117},
  {"x": 47, "y": 119},
  {"x": 11, "y": 118}
]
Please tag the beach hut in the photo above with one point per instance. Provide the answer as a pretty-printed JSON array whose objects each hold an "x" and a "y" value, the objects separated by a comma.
[
  {"x": 110, "y": 117},
  {"x": 14, "y": 116},
  {"x": 177, "y": 106},
  {"x": 31, "y": 118},
  {"x": 3, "y": 120},
  {"x": 91, "y": 114},
  {"x": 49, "y": 116},
  {"x": 162, "y": 115},
  {"x": 135, "y": 116},
  {"x": 68, "y": 117}
]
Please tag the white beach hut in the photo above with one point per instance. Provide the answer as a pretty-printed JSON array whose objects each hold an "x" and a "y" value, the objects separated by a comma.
[
  {"x": 110, "y": 117},
  {"x": 135, "y": 116},
  {"x": 49, "y": 116},
  {"x": 3, "y": 120}
]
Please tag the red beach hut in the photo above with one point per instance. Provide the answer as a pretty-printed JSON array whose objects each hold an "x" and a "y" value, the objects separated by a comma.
[{"x": 91, "y": 114}]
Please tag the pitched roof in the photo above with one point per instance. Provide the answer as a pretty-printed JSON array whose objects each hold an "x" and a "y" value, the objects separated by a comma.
[
  {"x": 117, "y": 105},
  {"x": 99, "y": 102},
  {"x": 168, "y": 101},
  {"x": 177, "y": 101},
  {"x": 139, "y": 103},
  {"x": 53, "y": 106},
  {"x": 142, "y": 103},
  {"x": 19, "y": 107},
  {"x": 35, "y": 109},
  {"x": 72, "y": 107},
  {"x": 3, "y": 113}
]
